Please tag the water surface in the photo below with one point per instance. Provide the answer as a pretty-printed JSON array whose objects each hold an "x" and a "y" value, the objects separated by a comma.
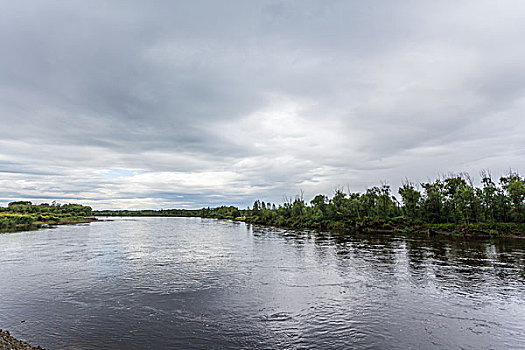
[{"x": 191, "y": 283}]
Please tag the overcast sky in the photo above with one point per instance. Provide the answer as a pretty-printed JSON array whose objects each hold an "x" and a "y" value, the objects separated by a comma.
[{"x": 162, "y": 104}]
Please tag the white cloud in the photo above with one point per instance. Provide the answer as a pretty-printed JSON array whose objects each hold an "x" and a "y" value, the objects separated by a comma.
[{"x": 139, "y": 105}]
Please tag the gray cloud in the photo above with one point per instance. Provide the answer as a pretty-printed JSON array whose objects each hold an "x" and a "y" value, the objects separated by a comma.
[{"x": 205, "y": 103}]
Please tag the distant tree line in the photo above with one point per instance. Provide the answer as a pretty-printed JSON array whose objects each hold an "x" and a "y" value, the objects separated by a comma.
[
  {"x": 451, "y": 203},
  {"x": 150, "y": 212},
  {"x": 221, "y": 212}
]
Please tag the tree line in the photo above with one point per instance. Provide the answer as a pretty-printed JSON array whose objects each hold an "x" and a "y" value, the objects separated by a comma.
[
  {"x": 449, "y": 204},
  {"x": 23, "y": 214}
]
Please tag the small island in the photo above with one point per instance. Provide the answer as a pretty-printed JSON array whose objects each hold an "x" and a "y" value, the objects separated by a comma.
[{"x": 24, "y": 215}]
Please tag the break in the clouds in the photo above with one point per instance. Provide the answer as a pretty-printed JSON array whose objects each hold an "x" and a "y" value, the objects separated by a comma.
[{"x": 155, "y": 104}]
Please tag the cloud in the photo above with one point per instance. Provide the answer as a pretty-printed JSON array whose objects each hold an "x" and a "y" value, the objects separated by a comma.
[{"x": 190, "y": 104}]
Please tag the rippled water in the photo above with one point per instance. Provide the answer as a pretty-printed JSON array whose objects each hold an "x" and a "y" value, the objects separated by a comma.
[{"x": 188, "y": 283}]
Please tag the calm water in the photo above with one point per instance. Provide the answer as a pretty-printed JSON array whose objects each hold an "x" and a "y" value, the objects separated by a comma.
[{"x": 190, "y": 283}]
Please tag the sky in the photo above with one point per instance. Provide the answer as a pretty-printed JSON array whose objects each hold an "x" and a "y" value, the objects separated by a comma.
[{"x": 187, "y": 104}]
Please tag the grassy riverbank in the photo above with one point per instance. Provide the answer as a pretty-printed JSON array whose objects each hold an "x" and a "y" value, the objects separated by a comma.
[
  {"x": 7, "y": 342},
  {"x": 18, "y": 216}
]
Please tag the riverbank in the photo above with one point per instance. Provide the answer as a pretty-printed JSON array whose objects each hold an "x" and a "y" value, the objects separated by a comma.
[
  {"x": 8, "y": 342},
  {"x": 399, "y": 225},
  {"x": 36, "y": 225},
  {"x": 369, "y": 225}
]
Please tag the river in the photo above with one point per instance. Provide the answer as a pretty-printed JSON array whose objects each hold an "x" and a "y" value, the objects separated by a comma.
[{"x": 191, "y": 283}]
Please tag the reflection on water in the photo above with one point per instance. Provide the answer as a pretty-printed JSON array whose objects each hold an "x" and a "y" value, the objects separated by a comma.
[{"x": 206, "y": 284}]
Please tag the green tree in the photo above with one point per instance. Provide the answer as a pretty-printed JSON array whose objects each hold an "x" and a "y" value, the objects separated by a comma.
[{"x": 411, "y": 199}]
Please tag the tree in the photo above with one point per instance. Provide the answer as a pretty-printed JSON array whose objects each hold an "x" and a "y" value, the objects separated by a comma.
[
  {"x": 411, "y": 199},
  {"x": 319, "y": 202},
  {"x": 515, "y": 188}
]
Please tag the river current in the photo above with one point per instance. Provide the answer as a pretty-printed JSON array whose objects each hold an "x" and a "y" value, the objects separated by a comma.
[{"x": 191, "y": 283}]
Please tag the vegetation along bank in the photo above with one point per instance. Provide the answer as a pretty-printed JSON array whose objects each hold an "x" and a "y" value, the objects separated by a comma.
[
  {"x": 21, "y": 215},
  {"x": 450, "y": 205}
]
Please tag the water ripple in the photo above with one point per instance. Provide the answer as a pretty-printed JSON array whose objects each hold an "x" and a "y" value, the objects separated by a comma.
[{"x": 206, "y": 284}]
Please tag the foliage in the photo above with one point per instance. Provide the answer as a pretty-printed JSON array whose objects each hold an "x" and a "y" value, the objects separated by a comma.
[
  {"x": 449, "y": 204},
  {"x": 19, "y": 215}
]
